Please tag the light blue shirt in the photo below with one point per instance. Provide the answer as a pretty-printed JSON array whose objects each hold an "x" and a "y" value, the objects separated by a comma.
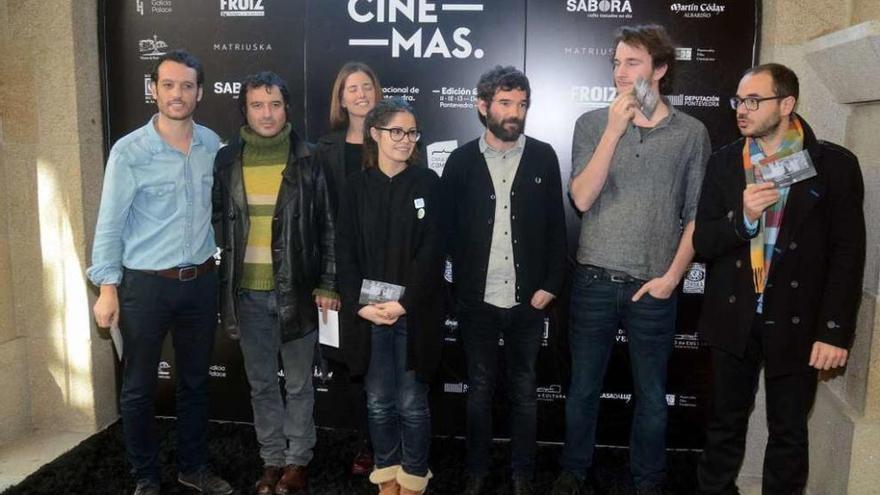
[{"x": 155, "y": 206}]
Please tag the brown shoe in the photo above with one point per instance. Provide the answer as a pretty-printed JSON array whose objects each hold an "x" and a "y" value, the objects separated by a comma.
[
  {"x": 266, "y": 484},
  {"x": 294, "y": 481}
]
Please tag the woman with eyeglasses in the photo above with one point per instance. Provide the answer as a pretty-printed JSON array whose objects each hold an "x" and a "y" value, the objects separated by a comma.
[{"x": 389, "y": 263}]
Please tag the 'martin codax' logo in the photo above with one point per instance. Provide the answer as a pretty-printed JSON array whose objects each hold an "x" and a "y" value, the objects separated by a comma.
[
  {"x": 695, "y": 10},
  {"x": 419, "y": 44}
]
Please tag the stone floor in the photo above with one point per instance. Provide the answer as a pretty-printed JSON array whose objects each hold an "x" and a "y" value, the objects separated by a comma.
[{"x": 26, "y": 454}]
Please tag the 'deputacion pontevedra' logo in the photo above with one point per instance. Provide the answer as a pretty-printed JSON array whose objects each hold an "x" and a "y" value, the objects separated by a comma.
[{"x": 421, "y": 38}]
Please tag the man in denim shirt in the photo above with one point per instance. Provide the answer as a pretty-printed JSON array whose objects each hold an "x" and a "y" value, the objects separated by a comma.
[{"x": 152, "y": 259}]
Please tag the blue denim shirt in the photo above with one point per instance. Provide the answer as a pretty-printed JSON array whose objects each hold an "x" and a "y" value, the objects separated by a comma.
[{"x": 155, "y": 206}]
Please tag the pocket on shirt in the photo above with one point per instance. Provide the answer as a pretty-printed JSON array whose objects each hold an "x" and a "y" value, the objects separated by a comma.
[{"x": 158, "y": 201}]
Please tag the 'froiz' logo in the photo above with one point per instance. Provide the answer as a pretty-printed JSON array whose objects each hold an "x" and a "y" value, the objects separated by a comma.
[
  {"x": 418, "y": 43},
  {"x": 242, "y": 8}
]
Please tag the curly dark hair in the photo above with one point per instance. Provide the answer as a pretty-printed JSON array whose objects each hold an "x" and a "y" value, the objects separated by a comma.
[
  {"x": 265, "y": 79},
  {"x": 504, "y": 79},
  {"x": 379, "y": 116}
]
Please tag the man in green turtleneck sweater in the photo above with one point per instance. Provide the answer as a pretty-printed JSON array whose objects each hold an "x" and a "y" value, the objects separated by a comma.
[{"x": 275, "y": 226}]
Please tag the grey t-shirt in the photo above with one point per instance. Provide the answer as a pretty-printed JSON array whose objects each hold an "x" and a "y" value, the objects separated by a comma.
[{"x": 652, "y": 190}]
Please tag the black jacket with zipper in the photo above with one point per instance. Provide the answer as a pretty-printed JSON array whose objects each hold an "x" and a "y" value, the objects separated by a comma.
[{"x": 303, "y": 244}]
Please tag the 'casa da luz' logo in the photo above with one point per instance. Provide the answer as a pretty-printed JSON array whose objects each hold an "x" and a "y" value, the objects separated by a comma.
[{"x": 414, "y": 30}]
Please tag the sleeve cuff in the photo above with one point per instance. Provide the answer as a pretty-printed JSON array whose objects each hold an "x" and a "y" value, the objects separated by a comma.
[
  {"x": 751, "y": 227},
  {"x": 326, "y": 293},
  {"x": 104, "y": 276}
]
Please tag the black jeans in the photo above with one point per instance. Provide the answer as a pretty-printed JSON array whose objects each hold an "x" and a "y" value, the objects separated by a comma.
[
  {"x": 150, "y": 305},
  {"x": 789, "y": 400},
  {"x": 521, "y": 327}
]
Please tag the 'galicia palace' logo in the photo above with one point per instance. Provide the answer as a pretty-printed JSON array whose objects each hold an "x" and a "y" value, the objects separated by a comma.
[
  {"x": 697, "y": 10},
  {"x": 601, "y": 9},
  {"x": 418, "y": 43},
  {"x": 242, "y": 8}
]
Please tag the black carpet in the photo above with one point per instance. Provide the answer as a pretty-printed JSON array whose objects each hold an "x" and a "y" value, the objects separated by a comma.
[{"x": 97, "y": 466}]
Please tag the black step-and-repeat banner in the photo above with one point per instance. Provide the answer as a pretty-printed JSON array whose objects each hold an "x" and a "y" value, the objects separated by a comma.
[{"x": 432, "y": 53}]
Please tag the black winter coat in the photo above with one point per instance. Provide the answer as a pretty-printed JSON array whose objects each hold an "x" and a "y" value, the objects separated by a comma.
[
  {"x": 303, "y": 244},
  {"x": 815, "y": 281},
  {"x": 330, "y": 156},
  {"x": 388, "y": 230}
]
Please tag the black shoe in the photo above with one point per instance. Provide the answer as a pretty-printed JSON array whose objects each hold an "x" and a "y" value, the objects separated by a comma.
[
  {"x": 568, "y": 484},
  {"x": 205, "y": 482},
  {"x": 475, "y": 485},
  {"x": 521, "y": 486},
  {"x": 146, "y": 487}
]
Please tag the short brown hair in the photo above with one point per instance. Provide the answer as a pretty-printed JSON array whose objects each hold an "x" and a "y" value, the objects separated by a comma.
[
  {"x": 339, "y": 115},
  {"x": 657, "y": 42},
  {"x": 785, "y": 81}
]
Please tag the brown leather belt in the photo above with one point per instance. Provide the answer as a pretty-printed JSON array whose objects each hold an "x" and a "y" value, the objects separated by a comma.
[{"x": 185, "y": 273}]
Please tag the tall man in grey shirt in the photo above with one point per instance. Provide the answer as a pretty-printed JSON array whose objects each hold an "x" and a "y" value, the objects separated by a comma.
[
  {"x": 505, "y": 232},
  {"x": 636, "y": 178}
]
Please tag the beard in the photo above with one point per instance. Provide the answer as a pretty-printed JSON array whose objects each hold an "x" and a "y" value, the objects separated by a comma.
[
  {"x": 498, "y": 129},
  {"x": 767, "y": 128}
]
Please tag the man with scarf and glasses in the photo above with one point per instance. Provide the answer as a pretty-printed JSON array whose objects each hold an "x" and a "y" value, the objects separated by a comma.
[{"x": 784, "y": 280}]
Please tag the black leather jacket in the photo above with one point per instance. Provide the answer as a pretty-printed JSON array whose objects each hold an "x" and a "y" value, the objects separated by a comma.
[{"x": 303, "y": 244}]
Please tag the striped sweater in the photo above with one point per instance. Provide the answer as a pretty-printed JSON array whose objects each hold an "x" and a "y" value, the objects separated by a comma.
[{"x": 263, "y": 162}]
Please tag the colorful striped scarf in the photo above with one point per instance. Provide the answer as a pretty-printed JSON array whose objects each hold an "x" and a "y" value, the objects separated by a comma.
[{"x": 762, "y": 245}]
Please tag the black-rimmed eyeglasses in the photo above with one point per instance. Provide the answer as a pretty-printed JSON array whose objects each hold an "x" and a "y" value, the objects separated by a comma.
[
  {"x": 751, "y": 103},
  {"x": 397, "y": 134}
]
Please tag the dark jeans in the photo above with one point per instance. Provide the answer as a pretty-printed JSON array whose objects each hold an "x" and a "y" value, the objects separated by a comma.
[
  {"x": 789, "y": 400},
  {"x": 397, "y": 403},
  {"x": 598, "y": 308},
  {"x": 521, "y": 327},
  {"x": 150, "y": 305}
]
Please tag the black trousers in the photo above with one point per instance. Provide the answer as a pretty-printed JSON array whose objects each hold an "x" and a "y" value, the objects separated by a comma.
[{"x": 789, "y": 400}]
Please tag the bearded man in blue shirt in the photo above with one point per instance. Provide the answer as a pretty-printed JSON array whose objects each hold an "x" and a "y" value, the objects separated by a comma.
[{"x": 153, "y": 261}]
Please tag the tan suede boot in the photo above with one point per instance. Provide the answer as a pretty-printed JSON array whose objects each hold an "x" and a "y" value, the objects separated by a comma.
[
  {"x": 411, "y": 484},
  {"x": 389, "y": 488},
  {"x": 386, "y": 479}
]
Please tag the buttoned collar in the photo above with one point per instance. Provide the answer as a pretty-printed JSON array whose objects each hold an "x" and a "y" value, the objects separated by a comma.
[
  {"x": 157, "y": 144},
  {"x": 488, "y": 150}
]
